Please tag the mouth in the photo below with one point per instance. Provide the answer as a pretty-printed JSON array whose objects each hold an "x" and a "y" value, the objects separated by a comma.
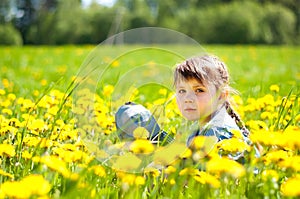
[{"x": 190, "y": 109}]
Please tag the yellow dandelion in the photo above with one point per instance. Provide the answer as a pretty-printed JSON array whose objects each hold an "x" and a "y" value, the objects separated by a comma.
[
  {"x": 20, "y": 100},
  {"x": 141, "y": 146},
  {"x": 206, "y": 178},
  {"x": 128, "y": 178},
  {"x": 69, "y": 147},
  {"x": 256, "y": 125},
  {"x": 274, "y": 88},
  {"x": 62, "y": 69},
  {"x": 29, "y": 186},
  {"x": 53, "y": 110},
  {"x": 93, "y": 193},
  {"x": 14, "y": 122},
  {"x": 163, "y": 91},
  {"x": 198, "y": 142},
  {"x": 7, "y": 150},
  {"x": 108, "y": 90},
  {"x": 32, "y": 141},
  {"x": 3, "y": 173},
  {"x": 270, "y": 174},
  {"x": 186, "y": 154},
  {"x": 139, "y": 180},
  {"x": 225, "y": 166},
  {"x": 268, "y": 138},
  {"x": 6, "y": 103},
  {"x": 268, "y": 99},
  {"x": 292, "y": 162},
  {"x": 275, "y": 156},
  {"x": 233, "y": 145},
  {"x": 98, "y": 170},
  {"x": 172, "y": 181},
  {"x": 57, "y": 94},
  {"x": 2, "y": 92},
  {"x": 27, "y": 103},
  {"x": 26, "y": 155},
  {"x": 188, "y": 171},
  {"x": 292, "y": 137},
  {"x": 297, "y": 118},
  {"x": 237, "y": 133},
  {"x": 43, "y": 82},
  {"x": 7, "y": 111},
  {"x": 11, "y": 96},
  {"x": 68, "y": 135},
  {"x": 55, "y": 164},
  {"x": 69, "y": 156},
  {"x": 5, "y": 83},
  {"x": 271, "y": 110},
  {"x": 154, "y": 172},
  {"x": 115, "y": 63},
  {"x": 14, "y": 189},
  {"x": 170, "y": 169},
  {"x": 8, "y": 130},
  {"x": 204, "y": 143},
  {"x": 291, "y": 187},
  {"x": 44, "y": 143},
  {"x": 36, "y": 93},
  {"x": 37, "y": 184},
  {"x": 266, "y": 115}
]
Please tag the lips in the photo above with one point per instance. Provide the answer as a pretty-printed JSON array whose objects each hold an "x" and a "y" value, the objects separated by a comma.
[{"x": 190, "y": 109}]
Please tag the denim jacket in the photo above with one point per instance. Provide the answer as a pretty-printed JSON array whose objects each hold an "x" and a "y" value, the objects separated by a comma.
[{"x": 220, "y": 126}]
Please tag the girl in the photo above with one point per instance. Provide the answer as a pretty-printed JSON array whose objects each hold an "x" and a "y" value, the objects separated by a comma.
[{"x": 202, "y": 94}]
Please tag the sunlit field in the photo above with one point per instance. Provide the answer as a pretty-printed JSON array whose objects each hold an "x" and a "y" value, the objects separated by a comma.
[{"x": 42, "y": 154}]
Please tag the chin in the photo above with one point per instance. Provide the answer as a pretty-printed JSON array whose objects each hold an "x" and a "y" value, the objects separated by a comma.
[{"x": 190, "y": 118}]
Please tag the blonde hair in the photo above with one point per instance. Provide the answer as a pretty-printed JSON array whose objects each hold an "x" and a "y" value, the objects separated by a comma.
[{"x": 209, "y": 69}]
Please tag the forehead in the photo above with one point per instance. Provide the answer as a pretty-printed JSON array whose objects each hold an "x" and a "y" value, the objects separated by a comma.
[
  {"x": 190, "y": 82},
  {"x": 194, "y": 83}
]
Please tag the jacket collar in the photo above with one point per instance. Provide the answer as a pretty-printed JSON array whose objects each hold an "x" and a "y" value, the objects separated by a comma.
[{"x": 221, "y": 119}]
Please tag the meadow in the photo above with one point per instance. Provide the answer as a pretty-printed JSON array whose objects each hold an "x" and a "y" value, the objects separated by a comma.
[{"x": 55, "y": 133}]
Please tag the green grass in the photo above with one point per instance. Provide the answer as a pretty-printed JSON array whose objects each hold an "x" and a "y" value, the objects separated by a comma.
[
  {"x": 30, "y": 72},
  {"x": 253, "y": 68}
]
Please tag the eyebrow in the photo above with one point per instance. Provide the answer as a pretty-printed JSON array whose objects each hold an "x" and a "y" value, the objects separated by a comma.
[
  {"x": 193, "y": 86},
  {"x": 199, "y": 85}
]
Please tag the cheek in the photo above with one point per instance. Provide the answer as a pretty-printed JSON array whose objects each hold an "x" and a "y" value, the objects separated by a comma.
[
  {"x": 179, "y": 103},
  {"x": 208, "y": 104},
  {"x": 205, "y": 101}
]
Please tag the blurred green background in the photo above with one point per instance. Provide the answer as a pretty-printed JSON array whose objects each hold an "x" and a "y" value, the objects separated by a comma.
[
  {"x": 253, "y": 69},
  {"x": 258, "y": 39},
  {"x": 58, "y": 22}
]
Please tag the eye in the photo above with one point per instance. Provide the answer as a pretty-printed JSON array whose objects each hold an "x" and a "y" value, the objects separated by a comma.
[
  {"x": 181, "y": 91},
  {"x": 199, "y": 90}
]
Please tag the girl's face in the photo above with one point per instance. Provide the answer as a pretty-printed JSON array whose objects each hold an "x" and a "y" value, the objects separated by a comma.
[{"x": 195, "y": 100}]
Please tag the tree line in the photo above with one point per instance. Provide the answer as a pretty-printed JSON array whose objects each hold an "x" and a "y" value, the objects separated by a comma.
[{"x": 58, "y": 22}]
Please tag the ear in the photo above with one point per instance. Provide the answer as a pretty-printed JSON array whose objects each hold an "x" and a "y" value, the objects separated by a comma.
[{"x": 224, "y": 95}]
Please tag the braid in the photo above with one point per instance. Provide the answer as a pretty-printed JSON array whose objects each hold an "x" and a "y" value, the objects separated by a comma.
[{"x": 237, "y": 119}]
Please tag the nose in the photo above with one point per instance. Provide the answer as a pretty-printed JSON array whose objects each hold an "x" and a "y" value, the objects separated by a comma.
[{"x": 189, "y": 98}]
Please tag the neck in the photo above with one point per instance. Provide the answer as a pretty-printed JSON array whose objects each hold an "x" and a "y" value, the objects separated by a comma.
[{"x": 206, "y": 120}]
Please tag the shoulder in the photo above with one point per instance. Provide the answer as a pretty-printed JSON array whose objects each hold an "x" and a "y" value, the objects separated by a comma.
[
  {"x": 221, "y": 125},
  {"x": 222, "y": 119},
  {"x": 220, "y": 132}
]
